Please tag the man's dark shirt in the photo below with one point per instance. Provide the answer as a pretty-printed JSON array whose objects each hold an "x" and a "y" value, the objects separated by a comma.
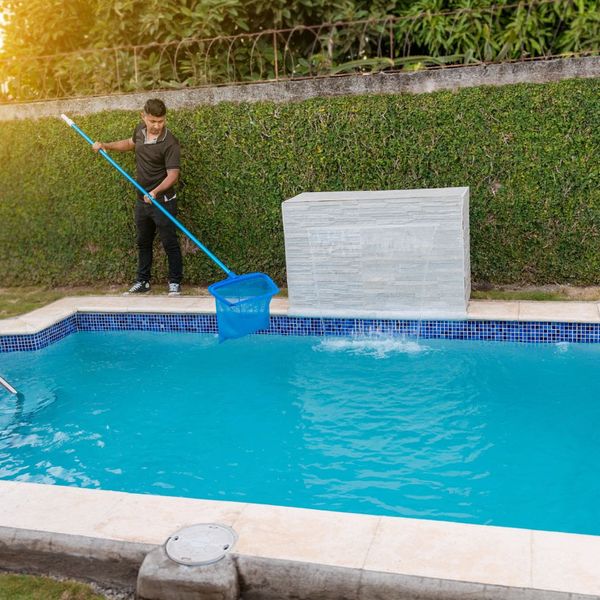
[{"x": 152, "y": 160}]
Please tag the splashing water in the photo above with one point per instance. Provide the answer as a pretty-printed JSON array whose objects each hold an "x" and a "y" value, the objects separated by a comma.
[{"x": 376, "y": 346}]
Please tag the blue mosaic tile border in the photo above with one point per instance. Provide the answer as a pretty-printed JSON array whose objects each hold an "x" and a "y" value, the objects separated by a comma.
[
  {"x": 41, "y": 339},
  {"x": 542, "y": 332},
  {"x": 538, "y": 332},
  {"x": 189, "y": 323}
]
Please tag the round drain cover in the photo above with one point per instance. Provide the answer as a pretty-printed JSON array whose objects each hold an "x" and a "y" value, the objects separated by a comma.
[{"x": 200, "y": 544}]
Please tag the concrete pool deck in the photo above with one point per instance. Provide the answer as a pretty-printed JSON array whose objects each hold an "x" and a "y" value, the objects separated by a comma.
[{"x": 447, "y": 553}]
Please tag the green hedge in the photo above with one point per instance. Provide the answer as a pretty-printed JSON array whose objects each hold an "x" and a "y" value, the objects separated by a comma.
[{"x": 529, "y": 153}]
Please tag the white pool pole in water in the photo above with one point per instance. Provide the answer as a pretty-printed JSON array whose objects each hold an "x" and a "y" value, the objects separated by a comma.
[{"x": 7, "y": 385}]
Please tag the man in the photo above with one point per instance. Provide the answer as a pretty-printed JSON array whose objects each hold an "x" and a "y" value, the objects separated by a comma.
[{"x": 157, "y": 155}]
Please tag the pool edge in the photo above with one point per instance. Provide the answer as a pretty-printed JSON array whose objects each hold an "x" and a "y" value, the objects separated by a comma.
[
  {"x": 483, "y": 310},
  {"x": 508, "y": 322},
  {"x": 359, "y": 545}
]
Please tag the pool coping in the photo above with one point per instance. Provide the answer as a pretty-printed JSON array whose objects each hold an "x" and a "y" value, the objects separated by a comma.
[
  {"x": 440, "y": 550},
  {"x": 484, "y": 310}
]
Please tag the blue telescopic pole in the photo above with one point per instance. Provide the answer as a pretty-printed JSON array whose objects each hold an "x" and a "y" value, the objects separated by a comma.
[
  {"x": 194, "y": 239},
  {"x": 7, "y": 386}
]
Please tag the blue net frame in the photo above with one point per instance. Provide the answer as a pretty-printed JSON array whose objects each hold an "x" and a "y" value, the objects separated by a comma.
[{"x": 243, "y": 304}]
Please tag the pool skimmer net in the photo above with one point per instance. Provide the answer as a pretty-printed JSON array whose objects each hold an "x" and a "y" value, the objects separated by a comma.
[{"x": 242, "y": 301}]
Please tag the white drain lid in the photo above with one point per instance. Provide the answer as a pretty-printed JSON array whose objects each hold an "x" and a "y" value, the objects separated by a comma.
[{"x": 200, "y": 544}]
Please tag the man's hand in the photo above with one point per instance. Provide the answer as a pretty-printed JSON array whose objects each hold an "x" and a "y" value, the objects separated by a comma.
[
  {"x": 149, "y": 197},
  {"x": 98, "y": 146}
]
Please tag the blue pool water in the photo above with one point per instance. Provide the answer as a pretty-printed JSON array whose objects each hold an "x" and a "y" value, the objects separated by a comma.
[{"x": 480, "y": 432}]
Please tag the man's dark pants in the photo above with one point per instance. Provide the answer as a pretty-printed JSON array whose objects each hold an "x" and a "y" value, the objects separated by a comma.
[{"x": 148, "y": 219}]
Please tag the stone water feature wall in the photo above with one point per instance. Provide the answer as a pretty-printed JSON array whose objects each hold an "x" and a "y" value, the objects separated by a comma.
[{"x": 382, "y": 254}]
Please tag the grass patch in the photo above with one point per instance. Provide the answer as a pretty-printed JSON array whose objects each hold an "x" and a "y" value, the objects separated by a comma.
[
  {"x": 28, "y": 587},
  {"x": 539, "y": 293},
  {"x": 517, "y": 295},
  {"x": 16, "y": 301}
]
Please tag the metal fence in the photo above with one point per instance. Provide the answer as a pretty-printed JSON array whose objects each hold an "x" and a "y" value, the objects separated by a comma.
[{"x": 362, "y": 46}]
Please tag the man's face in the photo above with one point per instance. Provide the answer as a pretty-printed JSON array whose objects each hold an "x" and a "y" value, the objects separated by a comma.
[{"x": 154, "y": 125}]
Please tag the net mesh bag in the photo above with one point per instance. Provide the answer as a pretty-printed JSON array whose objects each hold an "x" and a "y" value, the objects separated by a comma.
[{"x": 243, "y": 304}]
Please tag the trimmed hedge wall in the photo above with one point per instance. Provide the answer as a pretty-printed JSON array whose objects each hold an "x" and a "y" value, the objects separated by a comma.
[{"x": 529, "y": 153}]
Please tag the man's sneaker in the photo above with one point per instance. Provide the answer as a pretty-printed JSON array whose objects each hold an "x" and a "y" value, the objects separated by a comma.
[
  {"x": 174, "y": 289},
  {"x": 139, "y": 287}
]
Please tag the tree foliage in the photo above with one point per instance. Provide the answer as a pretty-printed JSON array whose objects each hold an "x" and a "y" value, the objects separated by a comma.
[
  {"x": 125, "y": 45},
  {"x": 42, "y": 27}
]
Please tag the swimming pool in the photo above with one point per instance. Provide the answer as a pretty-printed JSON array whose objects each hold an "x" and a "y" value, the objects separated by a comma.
[{"x": 472, "y": 431}]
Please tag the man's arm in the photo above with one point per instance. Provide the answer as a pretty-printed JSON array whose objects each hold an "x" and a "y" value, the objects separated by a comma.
[
  {"x": 168, "y": 182},
  {"x": 120, "y": 146}
]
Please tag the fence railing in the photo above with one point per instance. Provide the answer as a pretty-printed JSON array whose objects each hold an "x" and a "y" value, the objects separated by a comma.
[{"x": 364, "y": 46}]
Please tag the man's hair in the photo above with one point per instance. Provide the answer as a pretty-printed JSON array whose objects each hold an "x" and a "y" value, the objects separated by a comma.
[{"x": 155, "y": 107}]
